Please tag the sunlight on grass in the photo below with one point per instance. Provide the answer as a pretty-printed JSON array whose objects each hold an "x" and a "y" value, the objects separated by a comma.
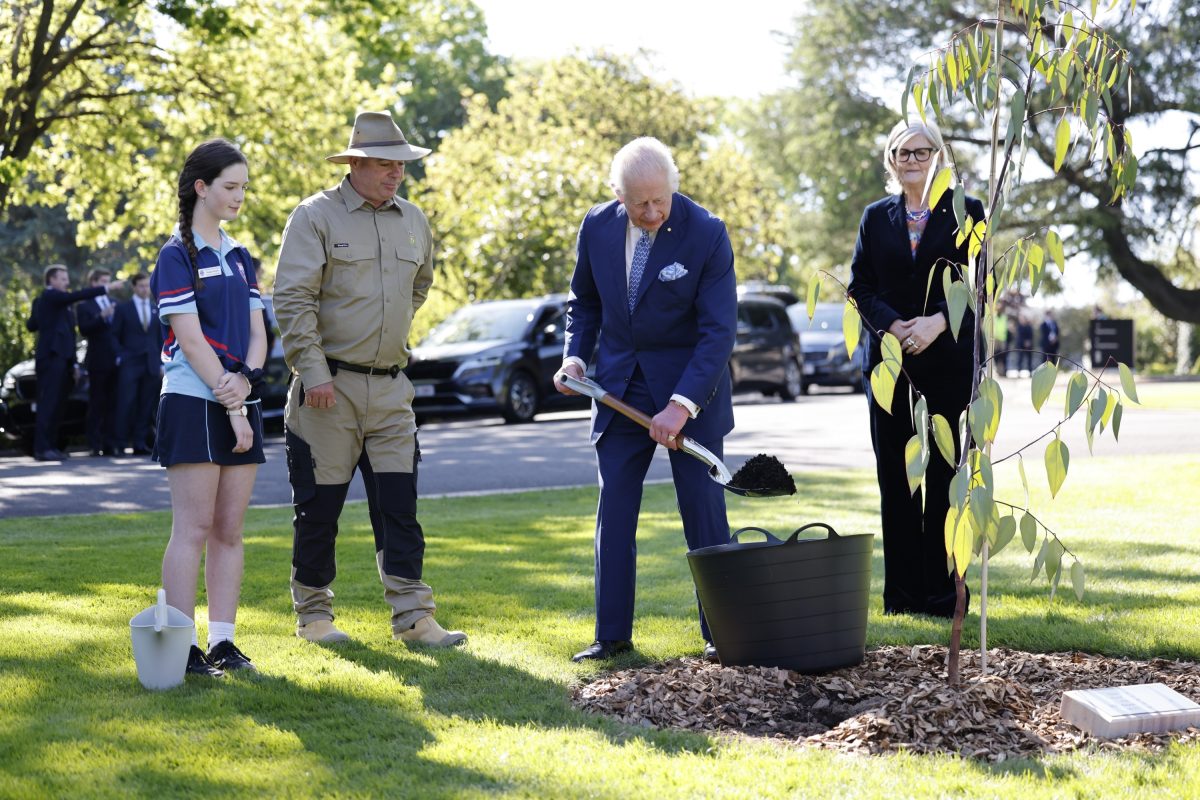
[{"x": 371, "y": 718}]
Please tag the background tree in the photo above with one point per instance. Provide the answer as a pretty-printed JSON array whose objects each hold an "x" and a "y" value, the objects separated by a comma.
[
  {"x": 507, "y": 191},
  {"x": 823, "y": 134}
]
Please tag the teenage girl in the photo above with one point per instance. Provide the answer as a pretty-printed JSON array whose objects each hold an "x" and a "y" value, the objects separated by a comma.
[{"x": 209, "y": 433}]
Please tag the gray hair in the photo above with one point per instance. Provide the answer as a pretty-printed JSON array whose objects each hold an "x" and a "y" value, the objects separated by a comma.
[
  {"x": 900, "y": 134},
  {"x": 644, "y": 157}
]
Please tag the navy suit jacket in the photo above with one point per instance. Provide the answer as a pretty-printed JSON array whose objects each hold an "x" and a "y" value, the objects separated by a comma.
[
  {"x": 102, "y": 347},
  {"x": 888, "y": 284},
  {"x": 681, "y": 332},
  {"x": 134, "y": 345},
  {"x": 56, "y": 329}
]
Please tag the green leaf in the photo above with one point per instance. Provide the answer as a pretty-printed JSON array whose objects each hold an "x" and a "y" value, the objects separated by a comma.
[
  {"x": 1028, "y": 532},
  {"x": 1055, "y": 246},
  {"x": 850, "y": 328},
  {"x": 1016, "y": 118},
  {"x": 1043, "y": 383},
  {"x": 1116, "y": 420},
  {"x": 1127, "y": 382},
  {"x": 960, "y": 486},
  {"x": 1024, "y": 480},
  {"x": 941, "y": 183},
  {"x": 1004, "y": 533},
  {"x": 1076, "y": 391},
  {"x": 960, "y": 541},
  {"x": 1077, "y": 579},
  {"x": 1062, "y": 140},
  {"x": 892, "y": 351},
  {"x": 1040, "y": 560},
  {"x": 814, "y": 291},
  {"x": 1058, "y": 457},
  {"x": 956, "y": 302},
  {"x": 1054, "y": 554},
  {"x": 990, "y": 389},
  {"x": 1109, "y": 407},
  {"x": 883, "y": 385},
  {"x": 913, "y": 465},
  {"x": 959, "y": 203},
  {"x": 980, "y": 416},
  {"x": 921, "y": 425},
  {"x": 943, "y": 436}
]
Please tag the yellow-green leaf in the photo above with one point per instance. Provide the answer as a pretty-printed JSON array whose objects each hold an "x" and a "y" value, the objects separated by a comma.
[
  {"x": 1062, "y": 140},
  {"x": 1077, "y": 578},
  {"x": 1116, "y": 420},
  {"x": 941, "y": 183},
  {"x": 1028, "y": 532},
  {"x": 943, "y": 435},
  {"x": 850, "y": 328},
  {"x": 913, "y": 465},
  {"x": 1054, "y": 554},
  {"x": 1058, "y": 458},
  {"x": 960, "y": 540},
  {"x": 883, "y": 385},
  {"x": 1043, "y": 383},
  {"x": 1055, "y": 246},
  {"x": 892, "y": 351},
  {"x": 1127, "y": 382},
  {"x": 1076, "y": 390},
  {"x": 1004, "y": 533},
  {"x": 956, "y": 302},
  {"x": 1024, "y": 480},
  {"x": 814, "y": 290}
]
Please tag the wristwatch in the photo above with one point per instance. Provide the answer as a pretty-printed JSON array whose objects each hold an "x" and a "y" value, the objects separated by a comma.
[{"x": 240, "y": 411}]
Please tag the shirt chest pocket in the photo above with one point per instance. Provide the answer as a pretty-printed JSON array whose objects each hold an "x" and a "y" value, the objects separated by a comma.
[{"x": 350, "y": 266}]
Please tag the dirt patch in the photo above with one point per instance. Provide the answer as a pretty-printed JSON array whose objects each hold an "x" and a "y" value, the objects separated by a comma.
[
  {"x": 764, "y": 473},
  {"x": 897, "y": 699}
]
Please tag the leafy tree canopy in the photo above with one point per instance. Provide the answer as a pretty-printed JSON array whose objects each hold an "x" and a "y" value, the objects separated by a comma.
[{"x": 849, "y": 62}]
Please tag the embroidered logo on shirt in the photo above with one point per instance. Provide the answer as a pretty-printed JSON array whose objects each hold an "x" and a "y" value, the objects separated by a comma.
[
  {"x": 341, "y": 244},
  {"x": 209, "y": 272},
  {"x": 672, "y": 272},
  {"x": 412, "y": 239},
  {"x": 237, "y": 262}
]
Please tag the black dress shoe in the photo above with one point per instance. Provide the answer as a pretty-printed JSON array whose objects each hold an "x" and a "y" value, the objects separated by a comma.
[
  {"x": 225, "y": 655},
  {"x": 50, "y": 455},
  {"x": 710, "y": 653},
  {"x": 141, "y": 451},
  {"x": 96, "y": 453},
  {"x": 602, "y": 650},
  {"x": 198, "y": 664}
]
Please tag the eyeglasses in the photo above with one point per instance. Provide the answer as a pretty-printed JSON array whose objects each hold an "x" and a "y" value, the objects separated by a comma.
[{"x": 921, "y": 154}]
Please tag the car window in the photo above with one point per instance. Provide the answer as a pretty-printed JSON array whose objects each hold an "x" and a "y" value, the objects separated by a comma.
[
  {"x": 503, "y": 321},
  {"x": 758, "y": 317}
]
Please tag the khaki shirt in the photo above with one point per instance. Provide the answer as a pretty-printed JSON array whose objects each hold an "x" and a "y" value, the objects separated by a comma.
[{"x": 350, "y": 278}]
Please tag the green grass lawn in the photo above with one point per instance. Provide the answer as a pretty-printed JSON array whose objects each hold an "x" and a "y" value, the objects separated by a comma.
[{"x": 372, "y": 719}]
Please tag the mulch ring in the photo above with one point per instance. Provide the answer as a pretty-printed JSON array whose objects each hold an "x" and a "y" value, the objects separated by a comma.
[{"x": 897, "y": 699}]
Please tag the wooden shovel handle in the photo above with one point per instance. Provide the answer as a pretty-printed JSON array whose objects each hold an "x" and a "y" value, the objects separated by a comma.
[{"x": 626, "y": 410}]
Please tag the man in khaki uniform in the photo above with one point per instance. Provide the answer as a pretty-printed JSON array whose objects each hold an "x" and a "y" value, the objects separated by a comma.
[{"x": 355, "y": 264}]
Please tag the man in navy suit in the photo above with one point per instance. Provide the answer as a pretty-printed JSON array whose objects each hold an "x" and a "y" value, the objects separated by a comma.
[
  {"x": 139, "y": 377},
  {"x": 94, "y": 318},
  {"x": 655, "y": 295},
  {"x": 55, "y": 355}
]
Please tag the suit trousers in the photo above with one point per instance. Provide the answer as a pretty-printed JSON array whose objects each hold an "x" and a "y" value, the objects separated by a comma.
[
  {"x": 55, "y": 378},
  {"x": 101, "y": 414},
  {"x": 917, "y": 578},
  {"x": 137, "y": 403},
  {"x": 623, "y": 454}
]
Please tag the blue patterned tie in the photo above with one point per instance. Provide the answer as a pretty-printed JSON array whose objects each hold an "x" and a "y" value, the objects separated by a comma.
[{"x": 641, "y": 253}]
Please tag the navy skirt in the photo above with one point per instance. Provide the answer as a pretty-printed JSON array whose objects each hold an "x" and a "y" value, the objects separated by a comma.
[{"x": 192, "y": 430}]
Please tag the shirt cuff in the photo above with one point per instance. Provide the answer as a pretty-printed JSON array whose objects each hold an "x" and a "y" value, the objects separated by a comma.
[
  {"x": 692, "y": 409},
  {"x": 575, "y": 360}
]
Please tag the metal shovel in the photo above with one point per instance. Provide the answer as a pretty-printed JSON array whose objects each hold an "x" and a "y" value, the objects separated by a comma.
[{"x": 716, "y": 470}]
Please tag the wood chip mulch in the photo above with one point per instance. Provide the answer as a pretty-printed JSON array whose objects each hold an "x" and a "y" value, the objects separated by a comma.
[{"x": 897, "y": 699}]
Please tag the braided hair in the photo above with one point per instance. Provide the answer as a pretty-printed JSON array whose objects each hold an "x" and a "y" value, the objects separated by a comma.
[{"x": 205, "y": 163}]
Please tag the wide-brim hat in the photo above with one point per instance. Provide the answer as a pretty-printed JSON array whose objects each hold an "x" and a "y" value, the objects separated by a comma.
[{"x": 375, "y": 135}]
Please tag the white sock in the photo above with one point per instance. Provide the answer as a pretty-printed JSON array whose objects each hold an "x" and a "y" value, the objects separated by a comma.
[
  {"x": 219, "y": 632},
  {"x": 195, "y": 640}
]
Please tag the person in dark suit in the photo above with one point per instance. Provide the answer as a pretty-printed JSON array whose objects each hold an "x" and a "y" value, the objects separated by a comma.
[
  {"x": 1048, "y": 337},
  {"x": 1024, "y": 344},
  {"x": 55, "y": 355},
  {"x": 900, "y": 242},
  {"x": 139, "y": 377},
  {"x": 654, "y": 294},
  {"x": 94, "y": 318}
]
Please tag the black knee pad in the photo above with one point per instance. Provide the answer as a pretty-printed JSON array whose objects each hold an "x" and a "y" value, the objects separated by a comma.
[
  {"x": 398, "y": 535},
  {"x": 315, "y": 529}
]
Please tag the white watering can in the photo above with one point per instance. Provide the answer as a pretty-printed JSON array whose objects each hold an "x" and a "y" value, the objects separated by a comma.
[{"x": 162, "y": 637}]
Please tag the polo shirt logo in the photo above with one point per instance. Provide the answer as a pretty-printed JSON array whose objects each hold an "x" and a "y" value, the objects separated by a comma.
[
  {"x": 341, "y": 244},
  {"x": 412, "y": 239}
]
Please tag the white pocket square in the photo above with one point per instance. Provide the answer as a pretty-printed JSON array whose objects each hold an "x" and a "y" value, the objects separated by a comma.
[{"x": 672, "y": 272}]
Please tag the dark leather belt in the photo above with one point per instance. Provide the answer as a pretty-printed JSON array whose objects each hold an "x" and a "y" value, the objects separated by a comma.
[{"x": 335, "y": 365}]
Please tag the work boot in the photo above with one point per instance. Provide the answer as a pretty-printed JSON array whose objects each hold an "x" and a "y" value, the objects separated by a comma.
[
  {"x": 427, "y": 632},
  {"x": 320, "y": 631}
]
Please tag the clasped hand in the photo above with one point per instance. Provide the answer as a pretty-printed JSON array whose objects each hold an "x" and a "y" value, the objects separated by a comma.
[
  {"x": 232, "y": 390},
  {"x": 918, "y": 333}
]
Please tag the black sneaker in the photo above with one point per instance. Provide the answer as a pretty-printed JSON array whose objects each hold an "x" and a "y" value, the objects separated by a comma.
[
  {"x": 199, "y": 664},
  {"x": 225, "y": 655}
]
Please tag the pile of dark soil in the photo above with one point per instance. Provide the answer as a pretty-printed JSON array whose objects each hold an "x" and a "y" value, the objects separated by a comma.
[
  {"x": 897, "y": 699},
  {"x": 764, "y": 472}
]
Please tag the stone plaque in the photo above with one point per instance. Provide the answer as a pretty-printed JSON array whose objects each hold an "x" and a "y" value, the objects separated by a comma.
[{"x": 1121, "y": 710}]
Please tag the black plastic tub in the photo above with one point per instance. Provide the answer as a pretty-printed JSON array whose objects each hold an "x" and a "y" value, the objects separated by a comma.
[{"x": 797, "y": 603}]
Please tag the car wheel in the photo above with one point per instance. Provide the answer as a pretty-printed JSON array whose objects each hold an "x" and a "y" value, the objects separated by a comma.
[
  {"x": 793, "y": 381},
  {"x": 520, "y": 399}
]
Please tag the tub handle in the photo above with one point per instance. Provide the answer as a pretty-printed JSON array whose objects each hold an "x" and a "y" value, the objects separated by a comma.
[
  {"x": 832, "y": 533},
  {"x": 733, "y": 539}
]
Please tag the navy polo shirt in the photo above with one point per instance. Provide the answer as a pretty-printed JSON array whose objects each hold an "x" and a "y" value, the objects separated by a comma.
[{"x": 224, "y": 305}]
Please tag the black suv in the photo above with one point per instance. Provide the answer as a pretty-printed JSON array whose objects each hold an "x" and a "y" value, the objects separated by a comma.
[
  {"x": 767, "y": 356},
  {"x": 495, "y": 356},
  {"x": 825, "y": 360}
]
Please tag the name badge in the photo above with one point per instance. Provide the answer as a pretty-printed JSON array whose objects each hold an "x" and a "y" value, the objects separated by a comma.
[{"x": 209, "y": 272}]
